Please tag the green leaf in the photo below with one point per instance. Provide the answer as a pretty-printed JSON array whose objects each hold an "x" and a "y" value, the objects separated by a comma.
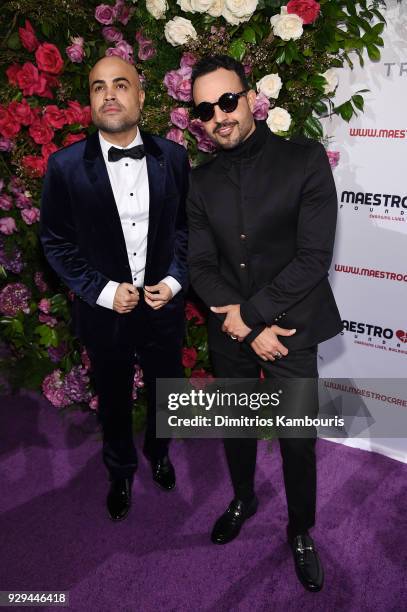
[
  {"x": 46, "y": 28},
  {"x": 47, "y": 336},
  {"x": 373, "y": 53},
  {"x": 345, "y": 110},
  {"x": 13, "y": 41},
  {"x": 249, "y": 35},
  {"x": 313, "y": 127},
  {"x": 358, "y": 101},
  {"x": 237, "y": 49}
]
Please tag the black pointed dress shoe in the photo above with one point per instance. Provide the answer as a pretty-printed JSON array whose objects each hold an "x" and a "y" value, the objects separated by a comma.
[
  {"x": 307, "y": 562},
  {"x": 163, "y": 472},
  {"x": 228, "y": 526},
  {"x": 119, "y": 498}
]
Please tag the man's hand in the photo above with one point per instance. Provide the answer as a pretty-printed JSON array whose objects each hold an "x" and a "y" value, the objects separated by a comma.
[
  {"x": 233, "y": 324},
  {"x": 157, "y": 296},
  {"x": 267, "y": 344},
  {"x": 126, "y": 298}
]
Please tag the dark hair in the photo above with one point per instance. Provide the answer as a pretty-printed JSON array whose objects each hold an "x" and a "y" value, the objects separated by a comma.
[{"x": 210, "y": 63}]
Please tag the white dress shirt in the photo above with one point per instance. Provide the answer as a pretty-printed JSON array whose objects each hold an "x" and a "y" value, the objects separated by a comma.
[{"x": 129, "y": 180}]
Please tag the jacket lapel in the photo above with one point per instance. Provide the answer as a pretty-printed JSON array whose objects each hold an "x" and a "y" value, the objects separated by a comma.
[{"x": 97, "y": 173}]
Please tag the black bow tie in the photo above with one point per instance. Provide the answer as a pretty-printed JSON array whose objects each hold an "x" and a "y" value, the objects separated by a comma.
[{"x": 136, "y": 152}]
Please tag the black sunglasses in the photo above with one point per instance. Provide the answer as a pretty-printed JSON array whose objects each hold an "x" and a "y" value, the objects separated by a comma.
[{"x": 227, "y": 103}]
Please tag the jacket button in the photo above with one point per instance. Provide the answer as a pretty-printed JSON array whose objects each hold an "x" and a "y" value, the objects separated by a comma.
[
  {"x": 242, "y": 265},
  {"x": 242, "y": 236}
]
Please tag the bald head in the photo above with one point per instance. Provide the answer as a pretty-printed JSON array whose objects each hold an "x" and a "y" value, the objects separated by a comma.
[{"x": 116, "y": 98}]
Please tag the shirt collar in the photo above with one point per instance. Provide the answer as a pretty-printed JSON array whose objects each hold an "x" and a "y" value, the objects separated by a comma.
[{"x": 105, "y": 145}]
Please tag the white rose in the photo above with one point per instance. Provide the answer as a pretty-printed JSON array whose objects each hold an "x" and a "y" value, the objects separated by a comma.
[
  {"x": 278, "y": 119},
  {"x": 186, "y": 6},
  {"x": 179, "y": 30},
  {"x": 331, "y": 79},
  {"x": 270, "y": 85},
  {"x": 157, "y": 8},
  {"x": 216, "y": 8},
  {"x": 241, "y": 8},
  {"x": 201, "y": 6},
  {"x": 287, "y": 26}
]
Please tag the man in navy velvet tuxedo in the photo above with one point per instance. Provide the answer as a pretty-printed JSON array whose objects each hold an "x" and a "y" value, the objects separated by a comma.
[{"x": 113, "y": 227}]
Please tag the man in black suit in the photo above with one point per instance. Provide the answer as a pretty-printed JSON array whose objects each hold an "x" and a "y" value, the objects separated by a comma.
[
  {"x": 262, "y": 219},
  {"x": 113, "y": 227}
]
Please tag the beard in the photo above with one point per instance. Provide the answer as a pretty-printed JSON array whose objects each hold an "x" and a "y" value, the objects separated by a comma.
[
  {"x": 235, "y": 138},
  {"x": 115, "y": 125}
]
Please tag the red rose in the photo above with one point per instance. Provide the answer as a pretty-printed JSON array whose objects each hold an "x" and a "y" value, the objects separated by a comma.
[
  {"x": 9, "y": 127},
  {"x": 30, "y": 81},
  {"x": 71, "y": 138},
  {"x": 34, "y": 166},
  {"x": 22, "y": 111},
  {"x": 308, "y": 10},
  {"x": 40, "y": 132},
  {"x": 27, "y": 37},
  {"x": 48, "y": 149},
  {"x": 12, "y": 72},
  {"x": 201, "y": 378},
  {"x": 86, "y": 116},
  {"x": 54, "y": 117},
  {"x": 74, "y": 113},
  {"x": 189, "y": 356},
  {"x": 192, "y": 312},
  {"x": 49, "y": 58}
]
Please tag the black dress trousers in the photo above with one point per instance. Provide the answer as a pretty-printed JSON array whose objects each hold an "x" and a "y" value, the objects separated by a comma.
[
  {"x": 157, "y": 347},
  {"x": 298, "y": 454}
]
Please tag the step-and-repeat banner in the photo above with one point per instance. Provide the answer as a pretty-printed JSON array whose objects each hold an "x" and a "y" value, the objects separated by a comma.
[{"x": 369, "y": 268}]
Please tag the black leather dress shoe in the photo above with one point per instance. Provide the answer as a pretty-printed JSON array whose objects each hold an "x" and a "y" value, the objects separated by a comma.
[
  {"x": 307, "y": 563},
  {"x": 228, "y": 526},
  {"x": 163, "y": 472},
  {"x": 119, "y": 498}
]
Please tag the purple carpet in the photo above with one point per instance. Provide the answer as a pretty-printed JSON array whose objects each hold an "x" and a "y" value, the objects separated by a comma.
[{"x": 55, "y": 534}]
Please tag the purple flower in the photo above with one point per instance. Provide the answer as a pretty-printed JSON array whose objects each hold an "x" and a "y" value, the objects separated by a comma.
[
  {"x": 23, "y": 201},
  {"x": 261, "y": 107},
  {"x": 124, "y": 13},
  {"x": 44, "y": 305},
  {"x": 176, "y": 135},
  {"x": 94, "y": 403},
  {"x": 40, "y": 283},
  {"x": 178, "y": 84},
  {"x": 6, "y": 203},
  {"x": 104, "y": 14},
  {"x": 7, "y": 226},
  {"x": 188, "y": 59},
  {"x": 16, "y": 185},
  {"x": 30, "y": 215},
  {"x": 179, "y": 117},
  {"x": 47, "y": 320},
  {"x": 76, "y": 384},
  {"x": 1, "y": 185},
  {"x": 76, "y": 52},
  {"x": 203, "y": 141},
  {"x": 13, "y": 262},
  {"x": 138, "y": 381},
  {"x": 123, "y": 50},
  {"x": 6, "y": 144},
  {"x": 54, "y": 391},
  {"x": 112, "y": 34},
  {"x": 146, "y": 47},
  {"x": 13, "y": 298},
  {"x": 333, "y": 157},
  {"x": 57, "y": 353}
]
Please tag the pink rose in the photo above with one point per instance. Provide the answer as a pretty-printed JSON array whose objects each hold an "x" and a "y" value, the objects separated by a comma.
[
  {"x": 308, "y": 10},
  {"x": 12, "y": 72},
  {"x": 6, "y": 203},
  {"x": 23, "y": 201},
  {"x": 50, "y": 321},
  {"x": 261, "y": 107},
  {"x": 177, "y": 136},
  {"x": 104, "y": 14},
  {"x": 27, "y": 37},
  {"x": 54, "y": 117},
  {"x": 30, "y": 215},
  {"x": 188, "y": 59},
  {"x": 44, "y": 305},
  {"x": 112, "y": 34},
  {"x": 76, "y": 53},
  {"x": 123, "y": 50},
  {"x": 333, "y": 157},
  {"x": 6, "y": 144},
  {"x": 94, "y": 403},
  {"x": 9, "y": 126},
  {"x": 204, "y": 143},
  {"x": 179, "y": 117},
  {"x": 146, "y": 47},
  {"x": 22, "y": 112},
  {"x": 7, "y": 226},
  {"x": 178, "y": 84}
]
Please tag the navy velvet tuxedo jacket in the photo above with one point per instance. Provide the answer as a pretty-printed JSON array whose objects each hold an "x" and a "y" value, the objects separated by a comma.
[
  {"x": 82, "y": 236},
  {"x": 261, "y": 234}
]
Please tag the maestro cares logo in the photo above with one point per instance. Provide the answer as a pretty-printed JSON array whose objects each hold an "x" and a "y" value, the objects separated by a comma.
[
  {"x": 376, "y": 336},
  {"x": 384, "y": 206}
]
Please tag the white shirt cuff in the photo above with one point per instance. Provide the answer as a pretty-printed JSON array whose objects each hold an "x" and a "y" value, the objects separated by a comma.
[
  {"x": 106, "y": 297},
  {"x": 173, "y": 284}
]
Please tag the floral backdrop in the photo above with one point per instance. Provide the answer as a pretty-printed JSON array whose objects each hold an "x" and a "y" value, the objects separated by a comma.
[{"x": 291, "y": 51}]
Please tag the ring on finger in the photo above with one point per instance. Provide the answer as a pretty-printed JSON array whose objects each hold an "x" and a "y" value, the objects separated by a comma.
[{"x": 278, "y": 355}]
